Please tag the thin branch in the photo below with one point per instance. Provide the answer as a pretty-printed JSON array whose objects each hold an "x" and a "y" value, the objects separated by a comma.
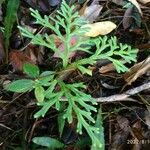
[{"x": 124, "y": 96}]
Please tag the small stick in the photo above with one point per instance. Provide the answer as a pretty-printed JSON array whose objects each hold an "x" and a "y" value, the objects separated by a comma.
[{"x": 125, "y": 95}]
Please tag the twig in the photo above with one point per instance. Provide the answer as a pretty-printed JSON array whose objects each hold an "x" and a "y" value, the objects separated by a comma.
[
  {"x": 4, "y": 126},
  {"x": 125, "y": 95}
]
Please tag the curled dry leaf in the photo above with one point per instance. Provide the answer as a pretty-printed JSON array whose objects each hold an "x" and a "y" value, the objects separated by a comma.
[
  {"x": 99, "y": 28},
  {"x": 137, "y": 70},
  {"x": 127, "y": 19},
  {"x": 91, "y": 12},
  {"x": 136, "y": 4},
  {"x": 107, "y": 68}
]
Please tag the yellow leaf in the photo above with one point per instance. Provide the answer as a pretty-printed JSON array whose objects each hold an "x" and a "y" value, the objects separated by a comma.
[{"x": 99, "y": 28}]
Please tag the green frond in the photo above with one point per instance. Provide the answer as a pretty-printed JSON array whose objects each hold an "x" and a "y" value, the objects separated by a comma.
[
  {"x": 66, "y": 19},
  {"x": 66, "y": 25},
  {"x": 118, "y": 54}
]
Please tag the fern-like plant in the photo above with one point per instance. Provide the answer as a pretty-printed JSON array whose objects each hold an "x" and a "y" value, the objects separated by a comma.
[{"x": 44, "y": 84}]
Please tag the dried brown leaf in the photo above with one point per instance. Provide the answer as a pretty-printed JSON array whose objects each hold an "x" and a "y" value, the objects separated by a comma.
[
  {"x": 137, "y": 70},
  {"x": 18, "y": 58},
  {"x": 127, "y": 19},
  {"x": 91, "y": 12},
  {"x": 107, "y": 68}
]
